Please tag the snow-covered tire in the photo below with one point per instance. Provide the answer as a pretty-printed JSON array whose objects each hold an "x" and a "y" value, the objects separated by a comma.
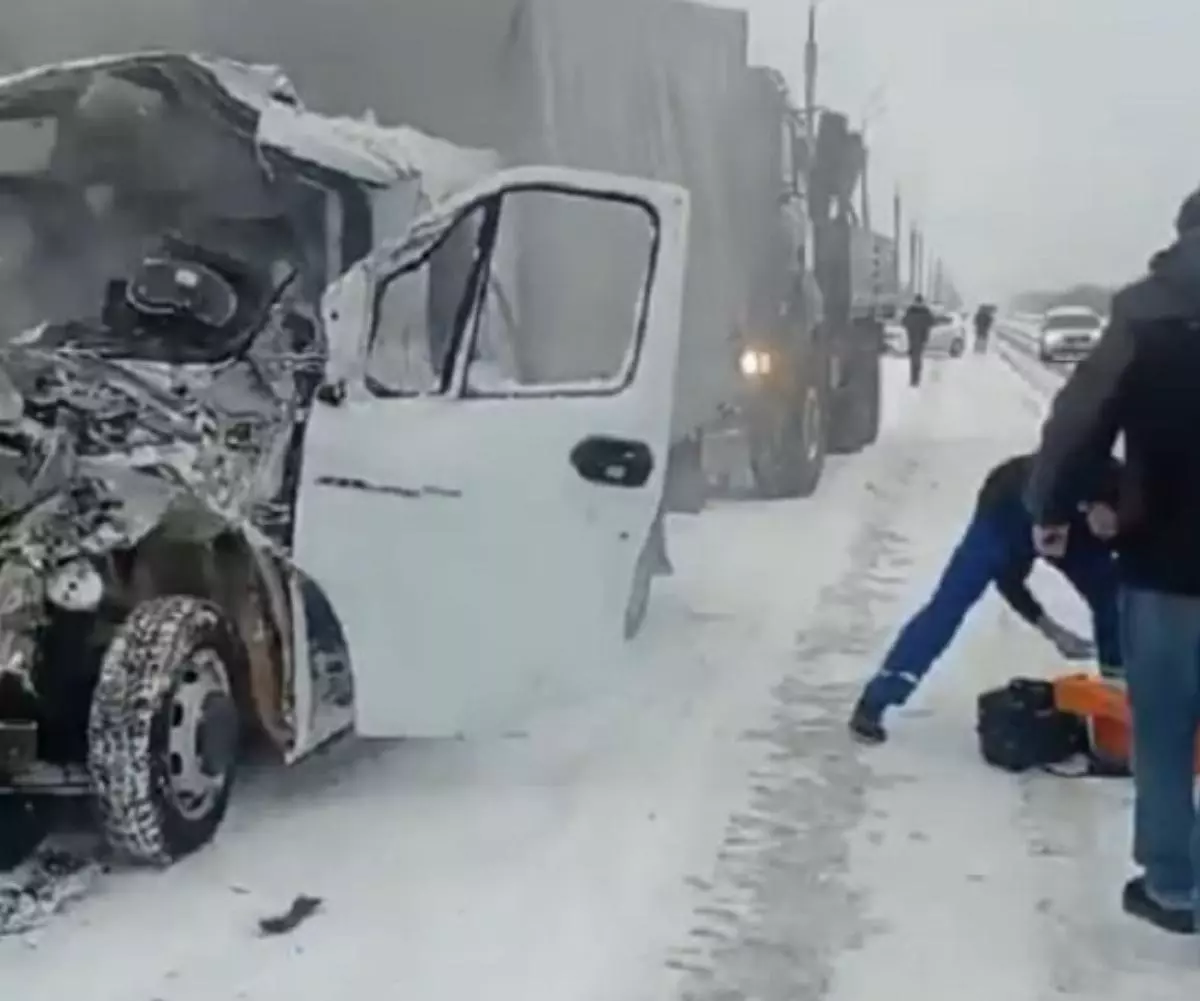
[
  {"x": 788, "y": 462},
  {"x": 857, "y": 420},
  {"x": 163, "y": 729}
]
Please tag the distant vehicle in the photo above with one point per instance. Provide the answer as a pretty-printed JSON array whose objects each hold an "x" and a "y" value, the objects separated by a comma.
[
  {"x": 1068, "y": 333},
  {"x": 949, "y": 334},
  {"x": 948, "y": 337}
]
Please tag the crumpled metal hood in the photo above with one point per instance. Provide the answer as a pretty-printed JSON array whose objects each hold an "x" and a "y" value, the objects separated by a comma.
[{"x": 106, "y": 446}]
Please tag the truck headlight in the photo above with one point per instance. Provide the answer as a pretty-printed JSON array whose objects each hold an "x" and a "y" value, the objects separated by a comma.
[
  {"x": 754, "y": 363},
  {"x": 75, "y": 587}
]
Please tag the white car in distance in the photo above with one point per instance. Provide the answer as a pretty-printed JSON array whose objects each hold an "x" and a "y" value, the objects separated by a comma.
[
  {"x": 1068, "y": 333},
  {"x": 949, "y": 334}
]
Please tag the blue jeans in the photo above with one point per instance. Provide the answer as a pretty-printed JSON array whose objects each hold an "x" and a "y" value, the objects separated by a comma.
[
  {"x": 1161, "y": 637},
  {"x": 993, "y": 540}
]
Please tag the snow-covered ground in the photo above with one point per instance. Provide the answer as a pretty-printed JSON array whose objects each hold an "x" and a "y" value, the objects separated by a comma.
[{"x": 703, "y": 828}]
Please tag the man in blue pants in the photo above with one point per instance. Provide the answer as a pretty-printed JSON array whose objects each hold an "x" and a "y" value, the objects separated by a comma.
[{"x": 997, "y": 548}]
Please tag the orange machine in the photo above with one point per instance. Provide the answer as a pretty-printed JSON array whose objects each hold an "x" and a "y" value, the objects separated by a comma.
[{"x": 1105, "y": 708}]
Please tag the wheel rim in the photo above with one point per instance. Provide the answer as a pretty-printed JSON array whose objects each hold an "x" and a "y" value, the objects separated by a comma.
[{"x": 198, "y": 753}]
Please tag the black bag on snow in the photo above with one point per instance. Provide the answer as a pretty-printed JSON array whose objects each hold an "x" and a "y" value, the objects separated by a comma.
[{"x": 1020, "y": 728}]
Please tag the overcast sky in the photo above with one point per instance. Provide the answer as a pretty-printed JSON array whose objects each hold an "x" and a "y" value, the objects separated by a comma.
[{"x": 1043, "y": 141}]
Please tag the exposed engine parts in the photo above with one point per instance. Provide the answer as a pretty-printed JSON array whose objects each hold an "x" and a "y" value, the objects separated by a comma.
[
  {"x": 169, "y": 254},
  {"x": 146, "y": 438}
]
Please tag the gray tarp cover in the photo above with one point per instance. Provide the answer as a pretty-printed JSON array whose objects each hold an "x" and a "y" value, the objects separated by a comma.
[{"x": 645, "y": 87}]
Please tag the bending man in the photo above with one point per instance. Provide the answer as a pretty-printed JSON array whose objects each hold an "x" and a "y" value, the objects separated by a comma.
[{"x": 997, "y": 548}]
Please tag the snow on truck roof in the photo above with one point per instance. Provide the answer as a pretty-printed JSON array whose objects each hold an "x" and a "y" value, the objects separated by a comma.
[{"x": 357, "y": 147}]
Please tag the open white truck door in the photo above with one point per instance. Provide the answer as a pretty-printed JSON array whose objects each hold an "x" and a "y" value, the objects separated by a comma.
[{"x": 478, "y": 540}]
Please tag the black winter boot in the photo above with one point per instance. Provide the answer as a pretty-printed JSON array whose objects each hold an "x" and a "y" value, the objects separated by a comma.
[
  {"x": 866, "y": 723},
  {"x": 1138, "y": 903}
]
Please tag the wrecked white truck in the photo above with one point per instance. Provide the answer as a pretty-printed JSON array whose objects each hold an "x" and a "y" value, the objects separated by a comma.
[{"x": 270, "y": 467}]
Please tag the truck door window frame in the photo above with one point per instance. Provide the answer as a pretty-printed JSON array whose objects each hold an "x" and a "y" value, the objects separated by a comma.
[
  {"x": 451, "y": 380},
  {"x": 473, "y": 286},
  {"x": 620, "y": 381}
]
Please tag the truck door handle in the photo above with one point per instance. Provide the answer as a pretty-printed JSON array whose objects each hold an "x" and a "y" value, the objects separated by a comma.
[{"x": 613, "y": 462}]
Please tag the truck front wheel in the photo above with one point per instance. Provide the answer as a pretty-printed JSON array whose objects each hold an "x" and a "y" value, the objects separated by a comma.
[
  {"x": 787, "y": 454},
  {"x": 163, "y": 734},
  {"x": 859, "y": 410}
]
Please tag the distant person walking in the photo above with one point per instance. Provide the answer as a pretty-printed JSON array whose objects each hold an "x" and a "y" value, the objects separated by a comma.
[
  {"x": 1141, "y": 381},
  {"x": 918, "y": 323},
  {"x": 983, "y": 327}
]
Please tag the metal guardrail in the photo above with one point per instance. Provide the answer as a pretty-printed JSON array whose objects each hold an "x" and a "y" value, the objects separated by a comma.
[
  {"x": 1019, "y": 331},
  {"x": 1017, "y": 340}
]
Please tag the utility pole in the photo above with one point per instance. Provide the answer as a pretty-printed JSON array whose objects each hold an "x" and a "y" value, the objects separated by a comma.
[
  {"x": 874, "y": 106},
  {"x": 810, "y": 82},
  {"x": 914, "y": 253},
  {"x": 919, "y": 264},
  {"x": 865, "y": 192},
  {"x": 897, "y": 236}
]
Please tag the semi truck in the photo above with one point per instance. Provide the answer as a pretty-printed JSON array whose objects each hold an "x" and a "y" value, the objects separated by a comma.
[
  {"x": 781, "y": 343},
  {"x": 817, "y": 282}
]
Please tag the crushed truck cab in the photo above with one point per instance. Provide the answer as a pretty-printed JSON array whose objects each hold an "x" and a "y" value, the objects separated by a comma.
[{"x": 273, "y": 464}]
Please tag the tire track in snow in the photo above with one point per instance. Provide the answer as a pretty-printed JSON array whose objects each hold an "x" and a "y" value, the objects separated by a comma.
[{"x": 782, "y": 904}]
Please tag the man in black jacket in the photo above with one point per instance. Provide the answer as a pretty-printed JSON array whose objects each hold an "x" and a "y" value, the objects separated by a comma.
[
  {"x": 983, "y": 327},
  {"x": 1142, "y": 380},
  {"x": 918, "y": 323}
]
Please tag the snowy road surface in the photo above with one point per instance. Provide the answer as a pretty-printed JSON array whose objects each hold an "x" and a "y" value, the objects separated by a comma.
[{"x": 702, "y": 828}]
